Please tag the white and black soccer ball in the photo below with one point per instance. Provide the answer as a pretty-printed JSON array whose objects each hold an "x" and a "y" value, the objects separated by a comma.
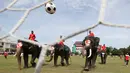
[{"x": 50, "y": 8}]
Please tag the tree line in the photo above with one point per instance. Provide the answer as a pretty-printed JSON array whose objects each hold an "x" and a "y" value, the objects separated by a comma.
[{"x": 117, "y": 51}]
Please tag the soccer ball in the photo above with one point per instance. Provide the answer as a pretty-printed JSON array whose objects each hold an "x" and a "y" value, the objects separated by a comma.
[{"x": 50, "y": 8}]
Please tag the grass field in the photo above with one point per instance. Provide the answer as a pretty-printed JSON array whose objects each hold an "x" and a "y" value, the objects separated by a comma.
[{"x": 114, "y": 65}]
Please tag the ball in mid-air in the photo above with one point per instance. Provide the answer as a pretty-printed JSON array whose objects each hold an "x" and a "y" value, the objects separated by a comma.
[{"x": 50, "y": 8}]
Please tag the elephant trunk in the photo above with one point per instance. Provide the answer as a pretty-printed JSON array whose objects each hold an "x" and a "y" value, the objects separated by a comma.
[
  {"x": 18, "y": 55},
  {"x": 90, "y": 53}
]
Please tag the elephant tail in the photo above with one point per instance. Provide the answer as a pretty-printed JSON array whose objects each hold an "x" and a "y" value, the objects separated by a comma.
[{"x": 51, "y": 57}]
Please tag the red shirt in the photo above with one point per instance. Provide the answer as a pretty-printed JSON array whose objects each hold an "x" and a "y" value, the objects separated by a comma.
[
  {"x": 103, "y": 47},
  {"x": 126, "y": 57},
  {"x": 61, "y": 42},
  {"x": 91, "y": 34},
  {"x": 5, "y": 53},
  {"x": 32, "y": 37}
]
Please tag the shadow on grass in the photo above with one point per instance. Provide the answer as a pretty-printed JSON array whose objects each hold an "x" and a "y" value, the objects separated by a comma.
[
  {"x": 59, "y": 65},
  {"x": 91, "y": 69}
]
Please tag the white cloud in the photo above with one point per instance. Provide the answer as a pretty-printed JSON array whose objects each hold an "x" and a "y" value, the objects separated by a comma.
[
  {"x": 80, "y": 5},
  {"x": 23, "y": 2},
  {"x": 117, "y": 11},
  {"x": 117, "y": 36}
]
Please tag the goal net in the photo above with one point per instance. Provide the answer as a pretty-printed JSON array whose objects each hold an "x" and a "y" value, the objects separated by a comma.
[{"x": 72, "y": 19}]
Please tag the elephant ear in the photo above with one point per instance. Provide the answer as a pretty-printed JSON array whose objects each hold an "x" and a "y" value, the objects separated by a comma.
[
  {"x": 97, "y": 39},
  {"x": 19, "y": 45},
  {"x": 66, "y": 48},
  {"x": 83, "y": 42},
  {"x": 87, "y": 42}
]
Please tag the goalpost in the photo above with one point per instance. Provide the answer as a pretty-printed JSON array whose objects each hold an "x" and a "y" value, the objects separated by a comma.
[{"x": 45, "y": 47}]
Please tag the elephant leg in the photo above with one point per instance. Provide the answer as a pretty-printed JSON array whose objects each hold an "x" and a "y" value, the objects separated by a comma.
[
  {"x": 62, "y": 60},
  {"x": 25, "y": 57},
  {"x": 55, "y": 59},
  {"x": 94, "y": 60},
  {"x": 105, "y": 58},
  {"x": 87, "y": 63},
  {"x": 101, "y": 58},
  {"x": 33, "y": 60},
  {"x": 67, "y": 59},
  {"x": 90, "y": 63}
]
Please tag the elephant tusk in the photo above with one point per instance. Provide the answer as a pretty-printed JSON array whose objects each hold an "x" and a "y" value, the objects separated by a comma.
[{"x": 90, "y": 53}]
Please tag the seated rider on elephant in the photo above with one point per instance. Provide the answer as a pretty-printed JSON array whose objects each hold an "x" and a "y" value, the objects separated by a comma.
[
  {"x": 61, "y": 43},
  {"x": 32, "y": 36},
  {"x": 91, "y": 34}
]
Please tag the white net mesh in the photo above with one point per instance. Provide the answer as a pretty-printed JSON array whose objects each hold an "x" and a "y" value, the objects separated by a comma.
[{"x": 71, "y": 18}]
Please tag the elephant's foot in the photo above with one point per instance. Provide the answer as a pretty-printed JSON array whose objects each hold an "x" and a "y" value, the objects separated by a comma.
[
  {"x": 93, "y": 66},
  {"x": 68, "y": 64},
  {"x": 104, "y": 63},
  {"x": 33, "y": 64},
  {"x": 20, "y": 68},
  {"x": 86, "y": 69},
  {"x": 63, "y": 64},
  {"x": 101, "y": 63},
  {"x": 25, "y": 67},
  {"x": 55, "y": 65}
]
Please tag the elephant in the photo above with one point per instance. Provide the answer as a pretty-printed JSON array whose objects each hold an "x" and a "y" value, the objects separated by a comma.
[
  {"x": 103, "y": 54},
  {"x": 63, "y": 52},
  {"x": 90, "y": 44},
  {"x": 27, "y": 48},
  {"x": 103, "y": 57}
]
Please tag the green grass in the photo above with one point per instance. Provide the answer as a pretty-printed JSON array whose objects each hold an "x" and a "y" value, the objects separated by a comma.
[{"x": 114, "y": 65}]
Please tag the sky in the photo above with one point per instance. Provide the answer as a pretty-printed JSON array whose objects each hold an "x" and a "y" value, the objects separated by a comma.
[{"x": 70, "y": 16}]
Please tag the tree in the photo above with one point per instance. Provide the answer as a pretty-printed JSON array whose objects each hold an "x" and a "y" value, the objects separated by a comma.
[
  {"x": 123, "y": 50},
  {"x": 128, "y": 49},
  {"x": 109, "y": 50},
  {"x": 117, "y": 52}
]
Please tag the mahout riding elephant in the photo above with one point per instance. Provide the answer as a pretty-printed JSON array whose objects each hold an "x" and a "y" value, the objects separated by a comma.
[
  {"x": 63, "y": 52},
  {"x": 27, "y": 48},
  {"x": 90, "y": 45}
]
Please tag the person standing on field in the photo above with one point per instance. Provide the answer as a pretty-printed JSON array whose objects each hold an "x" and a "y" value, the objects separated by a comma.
[
  {"x": 127, "y": 59},
  {"x": 5, "y": 54}
]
